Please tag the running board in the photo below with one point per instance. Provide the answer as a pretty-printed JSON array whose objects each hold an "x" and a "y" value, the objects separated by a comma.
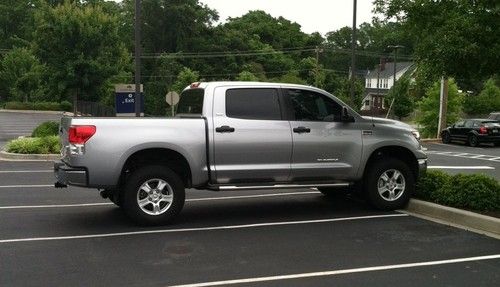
[{"x": 277, "y": 186}]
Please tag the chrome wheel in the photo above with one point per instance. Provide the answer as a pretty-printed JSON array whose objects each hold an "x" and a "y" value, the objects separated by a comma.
[
  {"x": 155, "y": 196},
  {"x": 391, "y": 185}
]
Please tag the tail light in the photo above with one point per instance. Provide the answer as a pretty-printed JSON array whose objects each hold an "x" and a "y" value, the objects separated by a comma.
[
  {"x": 80, "y": 134},
  {"x": 483, "y": 130}
]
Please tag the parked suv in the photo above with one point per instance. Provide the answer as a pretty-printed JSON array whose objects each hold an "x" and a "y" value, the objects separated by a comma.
[{"x": 473, "y": 132}]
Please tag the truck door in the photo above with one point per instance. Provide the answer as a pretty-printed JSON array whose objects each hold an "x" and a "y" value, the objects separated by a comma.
[
  {"x": 252, "y": 141},
  {"x": 324, "y": 147}
]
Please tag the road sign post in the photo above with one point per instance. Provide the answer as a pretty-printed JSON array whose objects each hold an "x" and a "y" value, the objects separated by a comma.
[
  {"x": 125, "y": 103},
  {"x": 172, "y": 98}
]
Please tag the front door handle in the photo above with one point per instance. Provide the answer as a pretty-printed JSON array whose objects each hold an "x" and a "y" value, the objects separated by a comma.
[
  {"x": 300, "y": 130},
  {"x": 224, "y": 129}
]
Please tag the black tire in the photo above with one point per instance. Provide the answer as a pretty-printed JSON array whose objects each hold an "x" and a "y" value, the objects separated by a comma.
[
  {"x": 445, "y": 138},
  {"x": 374, "y": 174},
  {"x": 132, "y": 193},
  {"x": 473, "y": 141}
]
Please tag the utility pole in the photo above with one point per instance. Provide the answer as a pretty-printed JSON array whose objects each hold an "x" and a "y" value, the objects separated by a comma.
[
  {"x": 353, "y": 50},
  {"x": 137, "y": 26},
  {"x": 316, "y": 76},
  {"x": 395, "y": 49},
  {"x": 443, "y": 105}
]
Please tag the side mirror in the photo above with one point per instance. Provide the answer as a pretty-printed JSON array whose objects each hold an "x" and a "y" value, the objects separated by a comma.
[{"x": 346, "y": 117}]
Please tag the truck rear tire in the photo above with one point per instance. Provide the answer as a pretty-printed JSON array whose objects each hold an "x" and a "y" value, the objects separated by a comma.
[
  {"x": 153, "y": 195},
  {"x": 389, "y": 184}
]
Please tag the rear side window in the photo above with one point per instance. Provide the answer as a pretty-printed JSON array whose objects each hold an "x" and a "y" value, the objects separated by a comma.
[
  {"x": 254, "y": 104},
  {"x": 191, "y": 102}
]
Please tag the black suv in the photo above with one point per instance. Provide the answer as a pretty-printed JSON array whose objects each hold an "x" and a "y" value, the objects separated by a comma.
[{"x": 473, "y": 132}]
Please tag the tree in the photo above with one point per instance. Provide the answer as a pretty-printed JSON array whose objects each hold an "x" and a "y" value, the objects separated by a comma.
[
  {"x": 81, "y": 48},
  {"x": 185, "y": 78},
  {"x": 21, "y": 76},
  {"x": 403, "y": 103},
  {"x": 487, "y": 101},
  {"x": 458, "y": 38},
  {"x": 429, "y": 108},
  {"x": 17, "y": 22},
  {"x": 247, "y": 77}
]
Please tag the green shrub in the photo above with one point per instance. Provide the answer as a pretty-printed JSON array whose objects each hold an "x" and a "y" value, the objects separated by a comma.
[
  {"x": 430, "y": 182},
  {"x": 66, "y": 106},
  {"x": 44, "y": 145},
  {"x": 41, "y": 106},
  {"x": 49, "y": 128},
  {"x": 470, "y": 191}
]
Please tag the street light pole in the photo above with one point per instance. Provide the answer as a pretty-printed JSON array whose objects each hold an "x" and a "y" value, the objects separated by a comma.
[
  {"x": 137, "y": 26},
  {"x": 353, "y": 50}
]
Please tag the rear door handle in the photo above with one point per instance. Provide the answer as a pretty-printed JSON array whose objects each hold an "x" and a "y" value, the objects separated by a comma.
[
  {"x": 224, "y": 129},
  {"x": 300, "y": 130}
]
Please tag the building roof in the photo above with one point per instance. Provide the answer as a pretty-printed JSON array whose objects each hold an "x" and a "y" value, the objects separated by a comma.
[{"x": 388, "y": 71}]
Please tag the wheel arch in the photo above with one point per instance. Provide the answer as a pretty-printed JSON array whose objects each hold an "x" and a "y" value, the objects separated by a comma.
[{"x": 394, "y": 151}]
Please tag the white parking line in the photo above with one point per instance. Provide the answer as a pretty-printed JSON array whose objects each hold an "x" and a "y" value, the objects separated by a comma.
[
  {"x": 26, "y": 171},
  {"x": 226, "y": 227},
  {"x": 187, "y": 200},
  {"x": 458, "y": 167},
  {"x": 27, "y": 185},
  {"x": 342, "y": 271}
]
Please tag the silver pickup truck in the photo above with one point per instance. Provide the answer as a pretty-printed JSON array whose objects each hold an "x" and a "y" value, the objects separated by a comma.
[{"x": 239, "y": 136}]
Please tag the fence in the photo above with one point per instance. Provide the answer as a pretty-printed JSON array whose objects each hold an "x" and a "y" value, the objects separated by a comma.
[{"x": 94, "y": 109}]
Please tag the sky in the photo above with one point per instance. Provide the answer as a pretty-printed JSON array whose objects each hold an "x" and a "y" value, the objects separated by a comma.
[{"x": 313, "y": 15}]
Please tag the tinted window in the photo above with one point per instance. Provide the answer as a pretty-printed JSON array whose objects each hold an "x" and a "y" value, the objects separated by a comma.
[
  {"x": 191, "y": 102},
  {"x": 468, "y": 124},
  {"x": 257, "y": 104},
  {"x": 460, "y": 124},
  {"x": 312, "y": 106}
]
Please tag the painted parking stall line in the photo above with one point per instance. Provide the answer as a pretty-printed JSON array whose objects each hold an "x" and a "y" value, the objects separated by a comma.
[
  {"x": 459, "y": 167},
  {"x": 28, "y": 171},
  {"x": 225, "y": 227},
  {"x": 465, "y": 155},
  {"x": 187, "y": 200},
  {"x": 341, "y": 271}
]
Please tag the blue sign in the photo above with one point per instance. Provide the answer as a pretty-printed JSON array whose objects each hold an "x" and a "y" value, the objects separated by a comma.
[{"x": 125, "y": 103}]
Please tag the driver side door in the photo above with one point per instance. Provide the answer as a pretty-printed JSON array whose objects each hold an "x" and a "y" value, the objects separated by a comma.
[{"x": 324, "y": 147}]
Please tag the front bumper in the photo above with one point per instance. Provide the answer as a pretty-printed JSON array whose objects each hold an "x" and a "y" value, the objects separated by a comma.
[
  {"x": 68, "y": 175},
  {"x": 422, "y": 166}
]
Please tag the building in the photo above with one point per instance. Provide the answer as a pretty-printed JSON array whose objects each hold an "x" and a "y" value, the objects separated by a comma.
[{"x": 378, "y": 83}]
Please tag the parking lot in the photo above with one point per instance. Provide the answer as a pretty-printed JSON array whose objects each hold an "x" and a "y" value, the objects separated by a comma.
[
  {"x": 51, "y": 237},
  {"x": 54, "y": 237}
]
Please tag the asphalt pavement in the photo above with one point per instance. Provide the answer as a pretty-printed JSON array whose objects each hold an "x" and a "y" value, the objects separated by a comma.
[
  {"x": 68, "y": 237},
  {"x": 72, "y": 237}
]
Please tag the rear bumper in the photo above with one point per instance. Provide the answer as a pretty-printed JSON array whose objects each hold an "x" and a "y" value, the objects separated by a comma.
[{"x": 68, "y": 175}]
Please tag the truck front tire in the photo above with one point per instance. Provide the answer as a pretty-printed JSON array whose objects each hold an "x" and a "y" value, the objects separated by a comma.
[
  {"x": 153, "y": 195},
  {"x": 389, "y": 184}
]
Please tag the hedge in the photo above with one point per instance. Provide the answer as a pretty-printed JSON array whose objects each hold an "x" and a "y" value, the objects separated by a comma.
[
  {"x": 42, "y": 145},
  {"x": 469, "y": 191},
  {"x": 41, "y": 106},
  {"x": 49, "y": 128}
]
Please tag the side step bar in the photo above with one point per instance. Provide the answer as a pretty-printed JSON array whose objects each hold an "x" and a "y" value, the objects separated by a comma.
[{"x": 276, "y": 186}]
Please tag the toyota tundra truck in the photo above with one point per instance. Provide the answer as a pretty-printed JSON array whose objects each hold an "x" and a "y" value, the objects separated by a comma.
[{"x": 239, "y": 136}]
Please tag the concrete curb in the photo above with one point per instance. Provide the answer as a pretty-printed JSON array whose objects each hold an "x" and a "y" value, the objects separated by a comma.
[
  {"x": 430, "y": 140},
  {"x": 475, "y": 222},
  {"x": 37, "y": 112},
  {"x": 8, "y": 156}
]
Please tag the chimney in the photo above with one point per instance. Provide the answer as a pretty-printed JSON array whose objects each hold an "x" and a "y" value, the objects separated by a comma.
[{"x": 382, "y": 64}]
